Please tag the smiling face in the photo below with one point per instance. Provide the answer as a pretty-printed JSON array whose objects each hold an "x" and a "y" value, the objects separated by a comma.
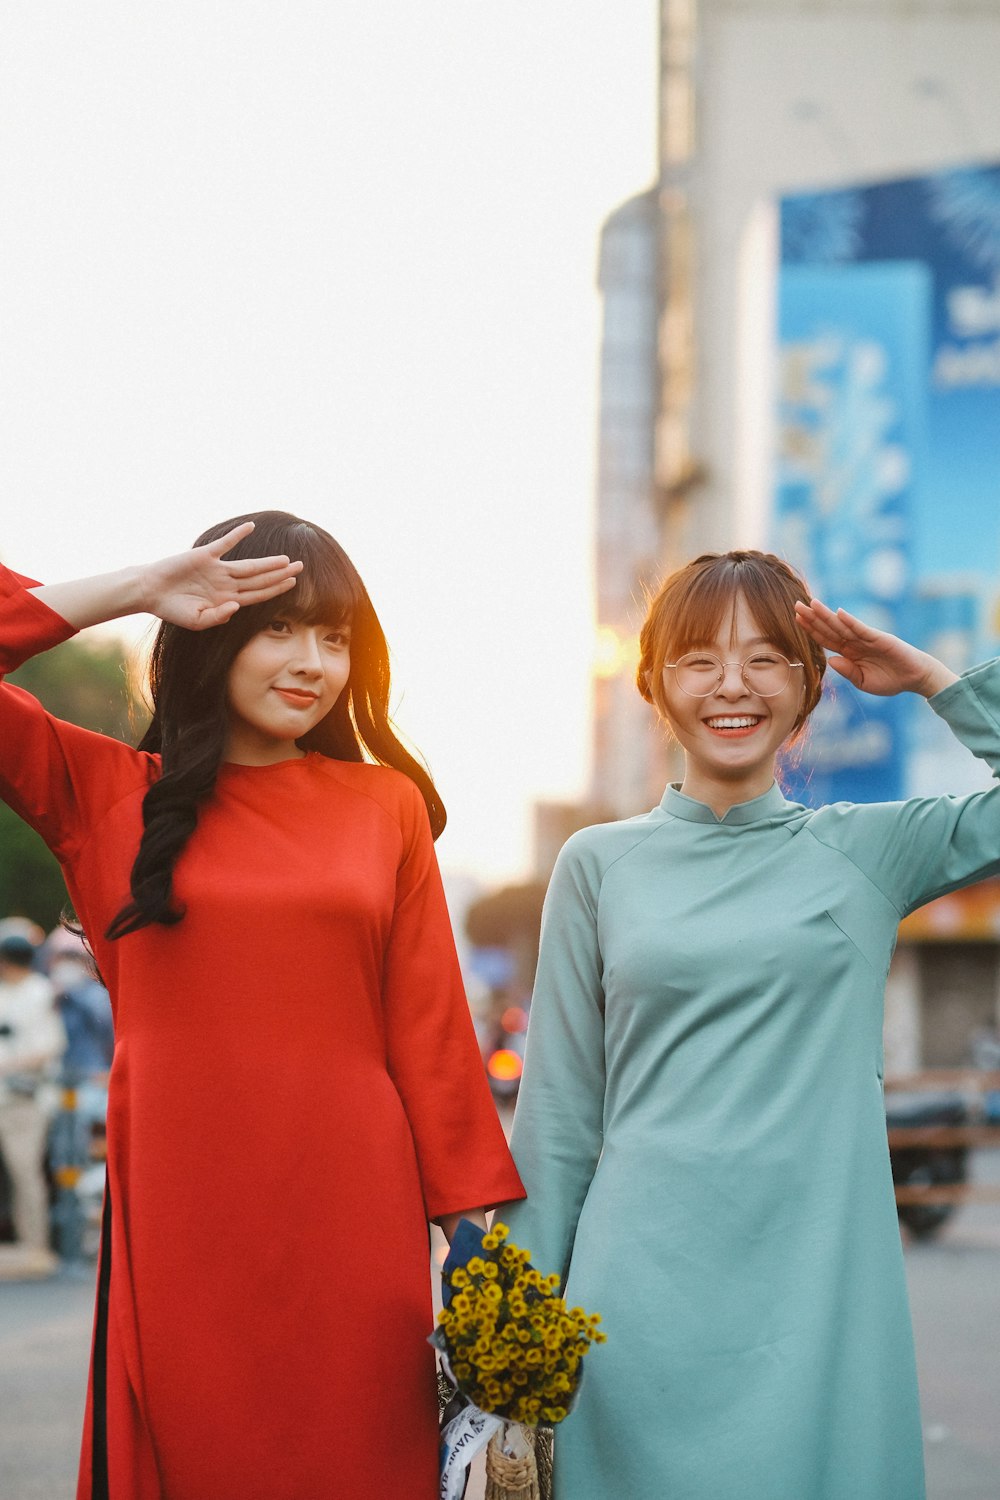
[
  {"x": 730, "y": 737},
  {"x": 281, "y": 684}
]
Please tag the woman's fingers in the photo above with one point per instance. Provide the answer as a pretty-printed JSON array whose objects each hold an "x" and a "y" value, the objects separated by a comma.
[
  {"x": 846, "y": 668},
  {"x": 258, "y": 594},
  {"x": 822, "y": 627},
  {"x": 863, "y": 632},
  {"x": 248, "y": 567},
  {"x": 266, "y": 578},
  {"x": 217, "y": 614},
  {"x": 839, "y": 630},
  {"x": 223, "y": 543}
]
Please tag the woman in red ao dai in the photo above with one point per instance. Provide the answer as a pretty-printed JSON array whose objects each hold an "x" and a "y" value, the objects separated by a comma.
[{"x": 296, "y": 1086}]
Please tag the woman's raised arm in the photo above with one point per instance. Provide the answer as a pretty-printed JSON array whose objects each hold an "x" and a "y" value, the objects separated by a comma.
[{"x": 196, "y": 589}]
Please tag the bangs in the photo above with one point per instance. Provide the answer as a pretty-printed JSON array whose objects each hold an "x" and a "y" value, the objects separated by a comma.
[
  {"x": 702, "y": 608},
  {"x": 325, "y": 592}
]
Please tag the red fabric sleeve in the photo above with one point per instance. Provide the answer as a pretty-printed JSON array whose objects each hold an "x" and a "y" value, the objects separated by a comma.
[
  {"x": 27, "y": 626},
  {"x": 59, "y": 778},
  {"x": 433, "y": 1055}
]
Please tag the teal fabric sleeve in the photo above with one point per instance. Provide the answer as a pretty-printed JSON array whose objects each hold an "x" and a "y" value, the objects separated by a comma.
[
  {"x": 924, "y": 847},
  {"x": 558, "y": 1131}
]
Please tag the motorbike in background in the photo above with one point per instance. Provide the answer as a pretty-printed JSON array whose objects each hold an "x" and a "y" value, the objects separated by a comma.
[
  {"x": 927, "y": 1165},
  {"x": 75, "y": 1165},
  {"x": 502, "y": 1043}
]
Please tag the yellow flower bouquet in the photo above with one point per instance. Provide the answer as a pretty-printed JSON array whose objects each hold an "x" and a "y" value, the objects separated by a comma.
[{"x": 509, "y": 1343}]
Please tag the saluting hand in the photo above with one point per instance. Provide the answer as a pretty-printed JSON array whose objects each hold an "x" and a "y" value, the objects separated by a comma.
[
  {"x": 873, "y": 660},
  {"x": 199, "y": 588}
]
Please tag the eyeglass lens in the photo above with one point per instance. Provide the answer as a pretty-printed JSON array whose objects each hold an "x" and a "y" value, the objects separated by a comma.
[{"x": 765, "y": 673}]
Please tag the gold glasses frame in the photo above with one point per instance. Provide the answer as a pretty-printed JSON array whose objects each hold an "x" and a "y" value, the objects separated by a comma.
[{"x": 722, "y": 665}]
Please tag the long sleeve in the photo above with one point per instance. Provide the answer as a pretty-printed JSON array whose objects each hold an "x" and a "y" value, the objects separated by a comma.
[
  {"x": 559, "y": 1124},
  {"x": 57, "y": 777},
  {"x": 917, "y": 850},
  {"x": 433, "y": 1055},
  {"x": 27, "y": 626}
]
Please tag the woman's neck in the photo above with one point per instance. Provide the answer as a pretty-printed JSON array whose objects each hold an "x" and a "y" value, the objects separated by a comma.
[{"x": 720, "y": 794}]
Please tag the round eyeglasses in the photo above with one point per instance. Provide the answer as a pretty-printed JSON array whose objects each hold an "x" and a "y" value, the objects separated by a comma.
[{"x": 765, "y": 673}]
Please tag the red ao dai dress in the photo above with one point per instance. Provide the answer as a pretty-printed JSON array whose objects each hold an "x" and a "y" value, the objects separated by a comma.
[{"x": 296, "y": 1089}]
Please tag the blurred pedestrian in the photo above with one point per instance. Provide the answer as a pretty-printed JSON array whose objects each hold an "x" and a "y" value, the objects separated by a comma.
[
  {"x": 31, "y": 1042},
  {"x": 85, "y": 1007},
  {"x": 700, "y": 1127},
  {"x": 296, "y": 1085}
]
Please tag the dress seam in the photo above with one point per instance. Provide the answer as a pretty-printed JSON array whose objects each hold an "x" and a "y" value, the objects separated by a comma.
[
  {"x": 75, "y": 850},
  {"x": 854, "y": 864},
  {"x": 359, "y": 792},
  {"x": 638, "y": 844},
  {"x": 610, "y": 865}
]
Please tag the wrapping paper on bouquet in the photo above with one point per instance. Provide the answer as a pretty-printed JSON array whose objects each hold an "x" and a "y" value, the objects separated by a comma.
[{"x": 509, "y": 1344}]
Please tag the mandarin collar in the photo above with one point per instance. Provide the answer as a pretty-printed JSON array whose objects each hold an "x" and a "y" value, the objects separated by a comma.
[{"x": 680, "y": 805}]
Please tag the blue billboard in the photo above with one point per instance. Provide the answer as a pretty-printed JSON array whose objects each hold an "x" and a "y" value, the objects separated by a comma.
[{"x": 887, "y": 483}]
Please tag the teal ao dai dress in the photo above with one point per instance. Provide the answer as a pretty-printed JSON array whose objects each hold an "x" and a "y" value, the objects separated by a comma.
[{"x": 702, "y": 1137}]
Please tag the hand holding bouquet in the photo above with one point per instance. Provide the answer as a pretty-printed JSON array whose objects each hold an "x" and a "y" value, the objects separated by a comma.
[{"x": 510, "y": 1345}]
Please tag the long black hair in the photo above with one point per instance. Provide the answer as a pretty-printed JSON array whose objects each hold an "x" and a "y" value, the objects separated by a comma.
[{"x": 188, "y": 676}]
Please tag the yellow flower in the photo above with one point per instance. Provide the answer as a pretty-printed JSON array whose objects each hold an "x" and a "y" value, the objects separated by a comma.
[{"x": 514, "y": 1345}]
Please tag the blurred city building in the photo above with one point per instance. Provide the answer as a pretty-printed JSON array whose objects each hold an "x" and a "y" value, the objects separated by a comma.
[
  {"x": 759, "y": 99},
  {"x": 829, "y": 377},
  {"x": 628, "y": 760},
  {"x": 814, "y": 290},
  {"x": 628, "y": 748}
]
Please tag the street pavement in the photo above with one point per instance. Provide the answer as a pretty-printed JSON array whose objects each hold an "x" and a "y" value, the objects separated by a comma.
[
  {"x": 954, "y": 1288},
  {"x": 954, "y": 1285}
]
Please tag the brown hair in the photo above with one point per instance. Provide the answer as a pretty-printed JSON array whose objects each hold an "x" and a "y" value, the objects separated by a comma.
[{"x": 688, "y": 608}]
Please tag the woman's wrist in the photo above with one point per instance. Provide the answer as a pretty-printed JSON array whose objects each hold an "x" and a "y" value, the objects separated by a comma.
[
  {"x": 91, "y": 601},
  {"x": 937, "y": 678},
  {"x": 448, "y": 1223}
]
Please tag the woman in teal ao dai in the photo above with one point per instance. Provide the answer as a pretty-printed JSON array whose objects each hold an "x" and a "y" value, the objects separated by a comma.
[{"x": 700, "y": 1127}]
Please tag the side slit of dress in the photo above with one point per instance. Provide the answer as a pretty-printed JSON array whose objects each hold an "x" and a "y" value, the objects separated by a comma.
[{"x": 99, "y": 1389}]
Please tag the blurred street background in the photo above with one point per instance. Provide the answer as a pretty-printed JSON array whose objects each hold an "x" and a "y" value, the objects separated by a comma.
[{"x": 527, "y": 305}]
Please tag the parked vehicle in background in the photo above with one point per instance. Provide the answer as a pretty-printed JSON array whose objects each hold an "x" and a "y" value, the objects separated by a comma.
[
  {"x": 927, "y": 1165},
  {"x": 75, "y": 1166},
  {"x": 504, "y": 1053},
  {"x": 500, "y": 1016}
]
